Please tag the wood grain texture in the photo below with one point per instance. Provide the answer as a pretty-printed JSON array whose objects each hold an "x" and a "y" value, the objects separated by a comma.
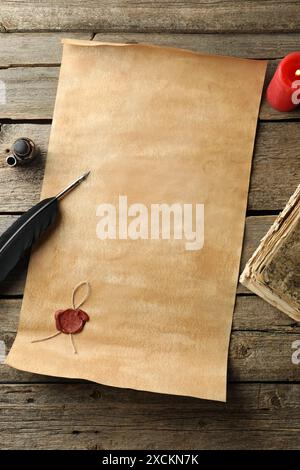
[
  {"x": 260, "y": 348},
  {"x": 89, "y": 416},
  {"x": 73, "y": 415},
  {"x": 31, "y": 91},
  {"x": 275, "y": 171},
  {"x": 148, "y": 16},
  {"x": 34, "y": 49},
  {"x": 275, "y": 168},
  {"x": 14, "y": 283},
  {"x": 255, "y": 229},
  {"x": 248, "y": 46},
  {"x": 20, "y": 186}
]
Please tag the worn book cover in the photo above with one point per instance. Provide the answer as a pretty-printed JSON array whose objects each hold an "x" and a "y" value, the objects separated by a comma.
[{"x": 273, "y": 272}]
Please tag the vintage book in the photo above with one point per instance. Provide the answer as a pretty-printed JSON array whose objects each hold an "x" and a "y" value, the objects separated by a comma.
[{"x": 273, "y": 272}]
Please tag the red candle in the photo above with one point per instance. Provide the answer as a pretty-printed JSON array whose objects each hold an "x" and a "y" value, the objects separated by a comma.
[{"x": 283, "y": 92}]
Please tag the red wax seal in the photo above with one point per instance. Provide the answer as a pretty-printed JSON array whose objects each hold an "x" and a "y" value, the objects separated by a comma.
[{"x": 71, "y": 321}]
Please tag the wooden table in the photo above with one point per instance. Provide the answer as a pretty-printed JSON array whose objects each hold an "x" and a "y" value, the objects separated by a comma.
[{"x": 263, "y": 408}]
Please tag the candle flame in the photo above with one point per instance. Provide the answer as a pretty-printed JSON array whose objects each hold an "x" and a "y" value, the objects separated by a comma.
[{"x": 297, "y": 73}]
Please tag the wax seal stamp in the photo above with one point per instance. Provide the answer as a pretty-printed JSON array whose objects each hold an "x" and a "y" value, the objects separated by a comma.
[{"x": 71, "y": 320}]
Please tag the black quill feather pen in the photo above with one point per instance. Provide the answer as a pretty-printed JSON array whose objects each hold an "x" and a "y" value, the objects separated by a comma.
[{"x": 28, "y": 228}]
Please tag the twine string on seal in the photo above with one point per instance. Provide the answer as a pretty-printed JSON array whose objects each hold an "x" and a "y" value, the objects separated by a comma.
[
  {"x": 76, "y": 288},
  {"x": 72, "y": 343},
  {"x": 47, "y": 337},
  {"x": 75, "y": 307}
]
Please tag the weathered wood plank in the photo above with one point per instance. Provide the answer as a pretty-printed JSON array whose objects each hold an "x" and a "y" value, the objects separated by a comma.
[
  {"x": 34, "y": 48},
  {"x": 260, "y": 348},
  {"x": 274, "y": 177},
  {"x": 9, "y": 315},
  {"x": 251, "y": 313},
  {"x": 262, "y": 356},
  {"x": 27, "y": 49},
  {"x": 148, "y": 16},
  {"x": 249, "y": 46},
  {"x": 256, "y": 228},
  {"x": 20, "y": 186},
  {"x": 89, "y": 416},
  {"x": 30, "y": 94},
  {"x": 275, "y": 168},
  {"x": 14, "y": 283}
]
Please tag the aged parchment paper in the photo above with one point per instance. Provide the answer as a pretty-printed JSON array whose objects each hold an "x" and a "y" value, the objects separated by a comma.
[{"x": 159, "y": 125}]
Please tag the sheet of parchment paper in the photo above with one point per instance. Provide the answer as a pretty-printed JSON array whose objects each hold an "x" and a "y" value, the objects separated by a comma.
[{"x": 158, "y": 125}]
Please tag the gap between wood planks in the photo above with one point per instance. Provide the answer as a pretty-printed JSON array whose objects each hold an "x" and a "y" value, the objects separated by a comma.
[
  {"x": 64, "y": 381},
  {"x": 27, "y": 66}
]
